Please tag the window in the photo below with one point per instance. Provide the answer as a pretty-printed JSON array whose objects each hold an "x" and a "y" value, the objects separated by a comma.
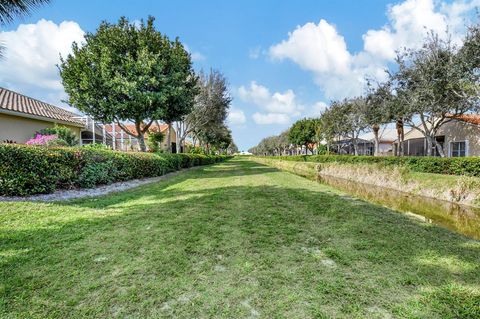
[{"x": 459, "y": 149}]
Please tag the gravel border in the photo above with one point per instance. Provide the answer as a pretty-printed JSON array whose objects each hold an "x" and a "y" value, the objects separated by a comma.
[{"x": 62, "y": 195}]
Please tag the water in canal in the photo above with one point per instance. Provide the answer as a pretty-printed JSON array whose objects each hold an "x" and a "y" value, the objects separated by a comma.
[{"x": 459, "y": 218}]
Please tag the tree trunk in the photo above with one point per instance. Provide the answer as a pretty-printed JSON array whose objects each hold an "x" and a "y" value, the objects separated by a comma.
[
  {"x": 141, "y": 142},
  {"x": 376, "y": 129},
  {"x": 400, "y": 137},
  {"x": 440, "y": 149},
  {"x": 169, "y": 138},
  {"x": 429, "y": 145},
  {"x": 355, "y": 146},
  {"x": 178, "y": 143}
]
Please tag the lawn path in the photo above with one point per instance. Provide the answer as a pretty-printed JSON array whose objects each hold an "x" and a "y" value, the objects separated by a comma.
[{"x": 232, "y": 240}]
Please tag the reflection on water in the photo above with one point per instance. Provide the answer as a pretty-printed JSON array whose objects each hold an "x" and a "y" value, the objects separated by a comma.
[{"x": 462, "y": 219}]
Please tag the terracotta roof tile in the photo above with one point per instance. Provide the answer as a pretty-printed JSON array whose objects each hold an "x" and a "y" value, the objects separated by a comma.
[
  {"x": 468, "y": 118},
  {"x": 17, "y": 102}
]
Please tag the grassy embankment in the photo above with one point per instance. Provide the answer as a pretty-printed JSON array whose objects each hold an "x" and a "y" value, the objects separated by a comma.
[
  {"x": 459, "y": 189},
  {"x": 237, "y": 239}
]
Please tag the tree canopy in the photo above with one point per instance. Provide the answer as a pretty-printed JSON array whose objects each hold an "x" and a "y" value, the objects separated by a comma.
[
  {"x": 304, "y": 132},
  {"x": 129, "y": 72}
]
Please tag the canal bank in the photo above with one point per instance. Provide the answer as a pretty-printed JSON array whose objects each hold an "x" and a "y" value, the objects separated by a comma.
[{"x": 449, "y": 201}]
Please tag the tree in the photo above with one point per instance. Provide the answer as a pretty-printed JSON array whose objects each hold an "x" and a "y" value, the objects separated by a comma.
[
  {"x": 377, "y": 112},
  {"x": 155, "y": 138},
  {"x": 184, "y": 84},
  {"x": 345, "y": 120},
  {"x": 283, "y": 142},
  {"x": 232, "y": 148},
  {"x": 207, "y": 120},
  {"x": 303, "y": 132},
  {"x": 435, "y": 85},
  {"x": 127, "y": 72},
  {"x": 9, "y": 9}
]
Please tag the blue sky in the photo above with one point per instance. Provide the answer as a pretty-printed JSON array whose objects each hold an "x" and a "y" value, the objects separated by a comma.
[{"x": 284, "y": 59}]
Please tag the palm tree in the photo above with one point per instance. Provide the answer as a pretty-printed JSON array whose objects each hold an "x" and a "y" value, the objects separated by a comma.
[{"x": 9, "y": 9}]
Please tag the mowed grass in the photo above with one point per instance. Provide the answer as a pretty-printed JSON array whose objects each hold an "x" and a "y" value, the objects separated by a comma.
[{"x": 233, "y": 240}]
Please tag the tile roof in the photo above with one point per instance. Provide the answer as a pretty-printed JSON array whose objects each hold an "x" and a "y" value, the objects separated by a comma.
[
  {"x": 468, "y": 118},
  {"x": 19, "y": 103}
]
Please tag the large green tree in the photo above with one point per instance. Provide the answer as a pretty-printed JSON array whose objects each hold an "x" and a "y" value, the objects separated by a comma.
[
  {"x": 304, "y": 132},
  {"x": 128, "y": 72},
  {"x": 184, "y": 85}
]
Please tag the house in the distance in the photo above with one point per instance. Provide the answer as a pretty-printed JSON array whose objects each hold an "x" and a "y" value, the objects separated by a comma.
[
  {"x": 366, "y": 143},
  {"x": 126, "y": 142},
  {"x": 458, "y": 137}
]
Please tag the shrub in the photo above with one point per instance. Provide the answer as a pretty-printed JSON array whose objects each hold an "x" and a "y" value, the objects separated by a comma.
[
  {"x": 97, "y": 173},
  {"x": 40, "y": 139},
  {"x": 97, "y": 146},
  {"x": 26, "y": 170},
  {"x": 62, "y": 132},
  {"x": 154, "y": 140},
  {"x": 469, "y": 166}
]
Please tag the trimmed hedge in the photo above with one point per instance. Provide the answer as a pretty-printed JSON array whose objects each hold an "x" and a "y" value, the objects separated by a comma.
[
  {"x": 469, "y": 166},
  {"x": 26, "y": 170}
]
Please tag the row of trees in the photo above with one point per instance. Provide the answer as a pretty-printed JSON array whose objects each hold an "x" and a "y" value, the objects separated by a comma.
[
  {"x": 430, "y": 87},
  {"x": 305, "y": 133},
  {"x": 130, "y": 72}
]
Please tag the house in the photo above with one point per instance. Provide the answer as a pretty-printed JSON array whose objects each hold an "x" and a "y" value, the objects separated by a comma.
[
  {"x": 366, "y": 143},
  {"x": 126, "y": 142},
  {"x": 21, "y": 116},
  {"x": 458, "y": 137}
]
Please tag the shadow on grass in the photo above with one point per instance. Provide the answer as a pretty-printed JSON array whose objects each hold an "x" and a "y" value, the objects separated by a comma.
[{"x": 280, "y": 247}]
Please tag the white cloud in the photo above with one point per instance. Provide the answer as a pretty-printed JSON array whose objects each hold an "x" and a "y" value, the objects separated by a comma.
[
  {"x": 271, "y": 118},
  {"x": 195, "y": 55},
  {"x": 319, "y": 48},
  {"x": 278, "y": 107},
  {"x": 409, "y": 22},
  {"x": 236, "y": 116},
  {"x": 32, "y": 53},
  {"x": 254, "y": 53},
  {"x": 315, "y": 47},
  {"x": 317, "y": 109},
  {"x": 275, "y": 103}
]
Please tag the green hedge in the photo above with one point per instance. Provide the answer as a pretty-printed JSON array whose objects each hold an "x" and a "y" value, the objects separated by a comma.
[
  {"x": 26, "y": 170},
  {"x": 469, "y": 166}
]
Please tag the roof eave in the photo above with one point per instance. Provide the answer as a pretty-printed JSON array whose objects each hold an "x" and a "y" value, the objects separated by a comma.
[{"x": 40, "y": 118}]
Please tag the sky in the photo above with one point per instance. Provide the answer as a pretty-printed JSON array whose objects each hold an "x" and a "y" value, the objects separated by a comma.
[{"x": 284, "y": 60}]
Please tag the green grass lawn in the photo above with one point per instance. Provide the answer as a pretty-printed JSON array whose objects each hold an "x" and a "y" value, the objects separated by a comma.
[{"x": 233, "y": 240}]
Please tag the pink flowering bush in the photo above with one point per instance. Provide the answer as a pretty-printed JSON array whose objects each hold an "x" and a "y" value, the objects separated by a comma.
[{"x": 40, "y": 139}]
